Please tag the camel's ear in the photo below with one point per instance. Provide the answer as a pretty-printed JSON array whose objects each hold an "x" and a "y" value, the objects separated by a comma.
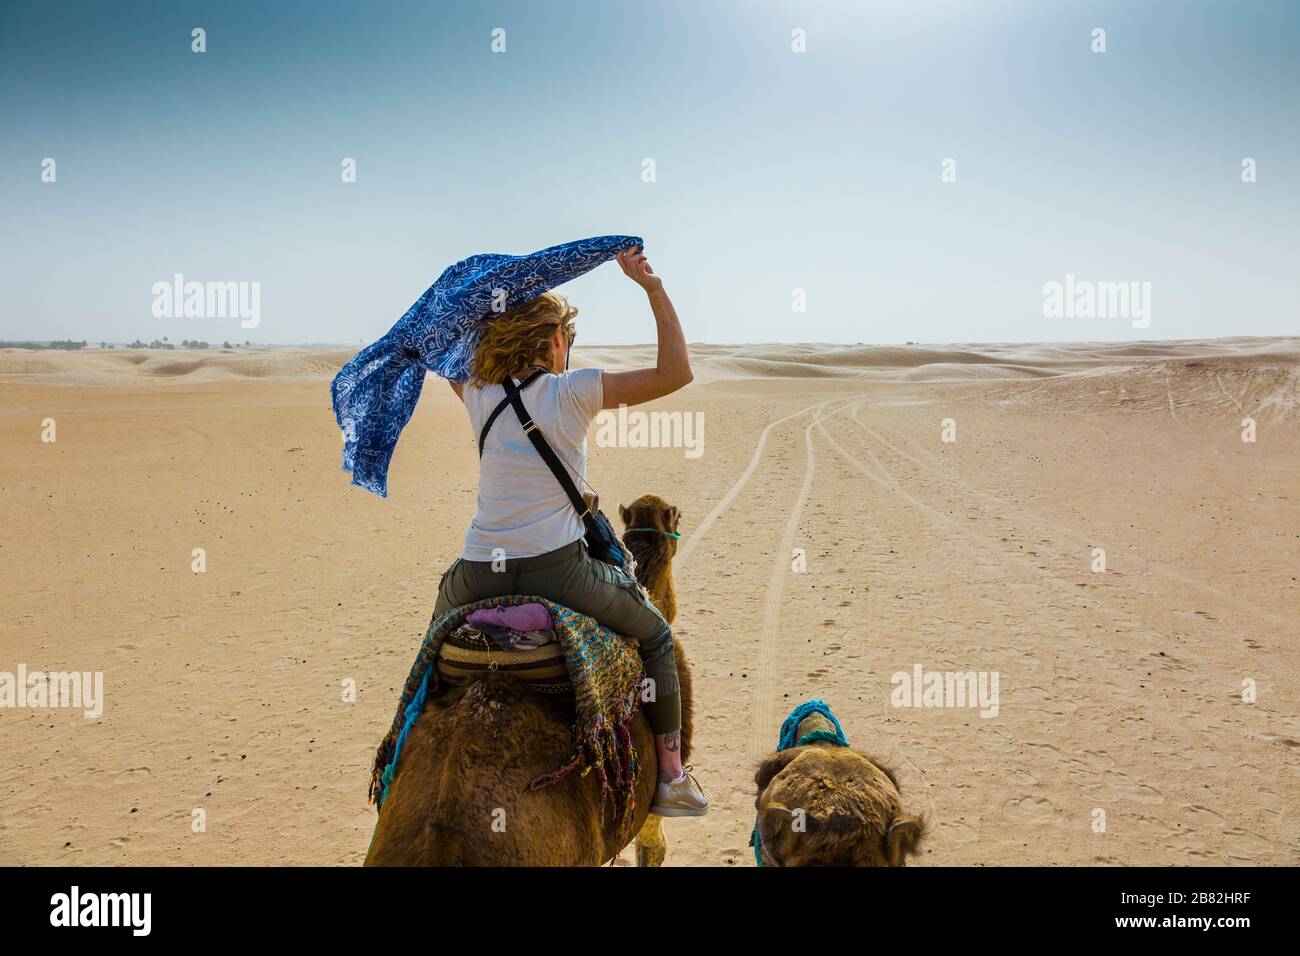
[
  {"x": 672, "y": 518},
  {"x": 771, "y": 766},
  {"x": 770, "y": 824},
  {"x": 624, "y": 514},
  {"x": 903, "y": 839}
]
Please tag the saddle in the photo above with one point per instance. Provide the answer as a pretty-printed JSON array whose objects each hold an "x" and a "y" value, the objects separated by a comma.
[
  {"x": 599, "y": 668},
  {"x": 466, "y": 655}
]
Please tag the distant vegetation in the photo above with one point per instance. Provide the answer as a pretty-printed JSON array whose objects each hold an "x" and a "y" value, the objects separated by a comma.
[
  {"x": 69, "y": 345},
  {"x": 59, "y": 344}
]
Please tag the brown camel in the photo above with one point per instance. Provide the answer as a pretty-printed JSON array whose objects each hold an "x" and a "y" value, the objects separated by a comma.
[
  {"x": 826, "y": 805},
  {"x": 461, "y": 798},
  {"x": 654, "y": 554}
]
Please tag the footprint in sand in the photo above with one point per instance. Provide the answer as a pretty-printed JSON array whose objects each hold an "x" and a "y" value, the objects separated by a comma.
[
  {"x": 1115, "y": 785},
  {"x": 1048, "y": 722},
  {"x": 22, "y": 817},
  {"x": 1099, "y": 758},
  {"x": 1176, "y": 761},
  {"x": 132, "y": 774},
  {"x": 1040, "y": 699},
  {"x": 996, "y": 741},
  {"x": 1241, "y": 845},
  {"x": 1203, "y": 816},
  {"x": 1189, "y": 843},
  {"x": 959, "y": 832},
  {"x": 1043, "y": 745},
  {"x": 915, "y": 750},
  {"x": 1035, "y": 810},
  {"x": 734, "y": 797},
  {"x": 1157, "y": 828}
]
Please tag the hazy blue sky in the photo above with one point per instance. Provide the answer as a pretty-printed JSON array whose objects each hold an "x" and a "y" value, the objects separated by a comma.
[{"x": 775, "y": 170}]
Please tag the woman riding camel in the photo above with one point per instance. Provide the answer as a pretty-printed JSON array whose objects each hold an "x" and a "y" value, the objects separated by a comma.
[
  {"x": 489, "y": 319},
  {"x": 526, "y": 536}
]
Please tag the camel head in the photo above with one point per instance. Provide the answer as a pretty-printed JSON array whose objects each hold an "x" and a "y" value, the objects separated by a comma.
[
  {"x": 650, "y": 533},
  {"x": 652, "y": 512},
  {"x": 823, "y": 805}
]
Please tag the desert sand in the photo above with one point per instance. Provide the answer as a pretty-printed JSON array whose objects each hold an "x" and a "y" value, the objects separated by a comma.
[{"x": 1121, "y": 690}]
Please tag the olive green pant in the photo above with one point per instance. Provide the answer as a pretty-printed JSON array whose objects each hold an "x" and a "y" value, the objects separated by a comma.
[{"x": 572, "y": 577}]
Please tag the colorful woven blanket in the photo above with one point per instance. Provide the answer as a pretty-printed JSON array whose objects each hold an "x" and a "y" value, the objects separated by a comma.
[{"x": 606, "y": 674}]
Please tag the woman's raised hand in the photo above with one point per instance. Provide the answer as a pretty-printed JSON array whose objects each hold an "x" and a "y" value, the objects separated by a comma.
[
  {"x": 637, "y": 268},
  {"x": 672, "y": 368}
]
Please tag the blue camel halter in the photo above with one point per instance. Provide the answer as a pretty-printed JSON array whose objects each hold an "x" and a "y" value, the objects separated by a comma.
[
  {"x": 789, "y": 728},
  {"x": 375, "y": 393}
]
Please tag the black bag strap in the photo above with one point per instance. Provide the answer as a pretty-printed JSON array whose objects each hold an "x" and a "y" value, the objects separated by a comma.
[
  {"x": 501, "y": 407},
  {"x": 548, "y": 455}
]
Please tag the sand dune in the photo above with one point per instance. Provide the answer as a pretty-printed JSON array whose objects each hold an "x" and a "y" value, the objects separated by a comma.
[
  {"x": 937, "y": 364},
  {"x": 93, "y": 368},
  {"x": 1121, "y": 690}
]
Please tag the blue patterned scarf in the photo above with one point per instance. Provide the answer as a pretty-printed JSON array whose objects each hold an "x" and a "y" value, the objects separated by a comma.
[{"x": 376, "y": 391}]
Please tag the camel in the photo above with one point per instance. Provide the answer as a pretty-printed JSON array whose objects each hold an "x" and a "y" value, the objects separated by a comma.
[
  {"x": 851, "y": 807},
  {"x": 461, "y": 798},
  {"x": 654, "y": 555}
]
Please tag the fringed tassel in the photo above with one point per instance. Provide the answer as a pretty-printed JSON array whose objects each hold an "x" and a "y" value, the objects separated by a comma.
[
  {"x": 555, "y": 776},
  {"x": 382, "y": 757},
  {"x": 608, "y": 751},
  {"x": 628, "y": 777}
]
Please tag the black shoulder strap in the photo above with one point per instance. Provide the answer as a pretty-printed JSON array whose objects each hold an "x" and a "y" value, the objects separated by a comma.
[
  {"x": 501, "y": 407},
  {"x": 548, "y": 455}
]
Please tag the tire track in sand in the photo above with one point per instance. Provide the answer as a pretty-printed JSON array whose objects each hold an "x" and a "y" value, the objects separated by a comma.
[
  {"x": 934, "y": 469},
  {"x": 696, "y": 536},
  {"x": 761, "y": 730},
  {"x": 1175, "y": 730}
]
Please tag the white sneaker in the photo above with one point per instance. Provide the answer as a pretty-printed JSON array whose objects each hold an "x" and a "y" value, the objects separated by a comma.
[{"x": 682, "y": 797}]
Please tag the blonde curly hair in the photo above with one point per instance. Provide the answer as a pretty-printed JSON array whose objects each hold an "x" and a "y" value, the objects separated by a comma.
[{"x": 521, "y": 336}]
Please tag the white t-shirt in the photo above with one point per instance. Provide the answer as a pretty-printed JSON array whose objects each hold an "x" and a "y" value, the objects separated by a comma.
[{"x": 522, "y": 510}]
